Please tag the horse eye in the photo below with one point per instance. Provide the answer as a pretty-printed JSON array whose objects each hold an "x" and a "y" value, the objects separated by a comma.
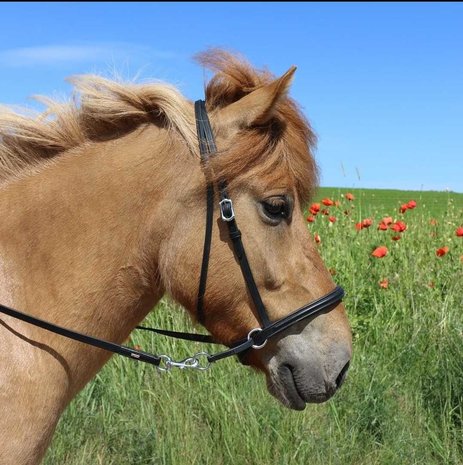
[{"x": 276, "y": 208}]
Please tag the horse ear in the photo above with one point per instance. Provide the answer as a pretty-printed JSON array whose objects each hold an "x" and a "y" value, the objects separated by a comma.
[{"x": 257, "y": 107}]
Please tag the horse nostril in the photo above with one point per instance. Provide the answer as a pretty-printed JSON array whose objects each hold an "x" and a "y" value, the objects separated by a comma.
[{"x": 342, "y": 375}]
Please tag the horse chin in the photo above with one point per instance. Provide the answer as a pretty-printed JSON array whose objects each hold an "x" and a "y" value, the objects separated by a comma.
[{"x": 289, "y": 388}]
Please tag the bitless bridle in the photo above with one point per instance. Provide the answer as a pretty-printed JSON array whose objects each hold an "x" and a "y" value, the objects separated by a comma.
[{"x": 256, "y": 338}]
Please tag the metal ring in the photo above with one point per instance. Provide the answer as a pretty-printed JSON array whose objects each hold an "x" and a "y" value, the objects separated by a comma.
[
  {"x": 250, "y": 338},
  {"x": 207, "y": 363}
]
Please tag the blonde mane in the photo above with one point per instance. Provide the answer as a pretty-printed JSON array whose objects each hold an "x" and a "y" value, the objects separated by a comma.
[
  {"x": 100, "y": 109},
  {"x": 103, "y": 109}
]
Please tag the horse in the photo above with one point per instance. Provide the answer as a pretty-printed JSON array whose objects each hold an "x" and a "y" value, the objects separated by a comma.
[{"x": 102, "y": 200}]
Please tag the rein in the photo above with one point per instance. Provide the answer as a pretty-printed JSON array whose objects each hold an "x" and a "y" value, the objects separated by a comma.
[{"x": 256, "y": 338}]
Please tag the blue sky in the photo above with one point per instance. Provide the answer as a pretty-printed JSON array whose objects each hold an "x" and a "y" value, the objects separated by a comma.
[{"x": 381, "y": 83}]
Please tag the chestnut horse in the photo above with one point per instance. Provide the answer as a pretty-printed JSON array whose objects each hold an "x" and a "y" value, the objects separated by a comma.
[{"x": 103, "y": 210}]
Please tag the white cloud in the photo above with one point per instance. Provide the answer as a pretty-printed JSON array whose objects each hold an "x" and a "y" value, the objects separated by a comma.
[{"x": 50, "y": 55}]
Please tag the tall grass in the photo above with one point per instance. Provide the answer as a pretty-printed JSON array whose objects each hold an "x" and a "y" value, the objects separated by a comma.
[{"x": 401, "y": 404}]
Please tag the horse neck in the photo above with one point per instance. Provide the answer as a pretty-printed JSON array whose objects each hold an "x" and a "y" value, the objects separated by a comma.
[{"x": 82, "y": 245}]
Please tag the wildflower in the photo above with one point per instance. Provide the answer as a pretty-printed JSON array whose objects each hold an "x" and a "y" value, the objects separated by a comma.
[
  {"x": 358, "y": 226},
  {"x": 459, "y": 231},
  {"x": 411, "y": 204},
  {"x": 384, "y": 283},
  {"x": 327, "y": 202},
  {"x": 367, "y": 222},
  {"x": 403, "y": 208},
  {"x": 332, "y": 219},
  {"x": 349, "y": 197},
  {"x": 380, "y": 251},
  {"x": 396, "y": 238},
  {"x": 314, "y": 208},
  {"x": 399, "y": 226},
  {"x": 382, "y": 226},
  {"x": 442, "y": 251},
  {"x": 317, "y": 238},
  {"x": 310, "y": 219},
  {"x": 387, "y": 220}
]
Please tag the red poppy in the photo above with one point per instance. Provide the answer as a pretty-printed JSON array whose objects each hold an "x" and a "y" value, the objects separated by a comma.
[
  {"x": 382, "y": 226},
  {"x": 310, "y": 219},
  {"x": 396, "y": 238},
  {"x": 349, "y": 197},
  {"x": 358, "y": 226},
  {"x": 384, "y": 283},
  {"x": 442, "y": 251},
  {"x": 387, "y": 220},
  {"x": 332, "y": 219},
  {"x": 411, "y": 204},
  {"x": 317, "y": 238},
  {"x": 327, "y": 202},
  {"x": 380, "y": 251},
  {"x": 403, "y": 208},
  {"x": 459, "y": 231},
  {"x": 367, "y": 222},
  {"x": 399, "y": 226},
  {"x": 314, "y": 208}
]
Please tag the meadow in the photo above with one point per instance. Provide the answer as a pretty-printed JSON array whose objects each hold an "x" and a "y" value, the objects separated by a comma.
[{"x": 402, "y": 402}]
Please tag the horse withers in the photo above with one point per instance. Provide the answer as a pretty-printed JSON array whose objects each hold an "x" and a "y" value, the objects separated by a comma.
[{"x": 105, "y": 208}]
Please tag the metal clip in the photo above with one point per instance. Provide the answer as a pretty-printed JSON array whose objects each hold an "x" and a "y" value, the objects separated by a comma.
[
  {"x": 226, "y": 210},
  {"x": 193, "y": 362}
]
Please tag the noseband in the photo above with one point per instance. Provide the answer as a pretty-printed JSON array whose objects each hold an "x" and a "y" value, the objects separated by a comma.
[{"x": 256, "y": 338}]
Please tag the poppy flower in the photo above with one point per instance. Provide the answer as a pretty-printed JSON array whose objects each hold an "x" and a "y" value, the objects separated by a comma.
[
  {"x": 382, "y": 226},
  {"x": 411, "y": 204},
  {"x": 442, "y": 251},
  {"x": 384, "y": 283},
  {"x": 349, "y": 197},
  {"x": 332, "y": 219},
  {"x": 396, "y": 238},
  {"x": 399, "y": 226},
  {"x": 358, "y": 226},
  {"x": 380, "y": 251},
  {"x": 403, "y": 208},
  {"x": 327, "y": 202},
  {"x": 459, "y": 231},
  {"x": 314, "y": 208},
  {"x": 317, "y": 238},
  {"x": 310, "y": 219},
  {"x": 387, "y": 220},
  {"x": 367, "y": 222}
]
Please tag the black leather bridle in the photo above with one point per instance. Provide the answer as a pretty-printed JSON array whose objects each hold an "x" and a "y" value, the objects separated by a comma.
[{"x": 256, "y": 338}]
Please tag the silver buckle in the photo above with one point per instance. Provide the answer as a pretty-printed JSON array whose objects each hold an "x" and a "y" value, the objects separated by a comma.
[{"x": 228, "y": 215}]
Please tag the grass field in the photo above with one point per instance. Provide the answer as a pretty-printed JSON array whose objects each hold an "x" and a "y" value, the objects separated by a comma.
[{"x": 401, "y": 404}]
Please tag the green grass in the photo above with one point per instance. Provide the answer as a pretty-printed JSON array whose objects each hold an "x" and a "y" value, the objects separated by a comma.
[{"x": 401, "y": 404}]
